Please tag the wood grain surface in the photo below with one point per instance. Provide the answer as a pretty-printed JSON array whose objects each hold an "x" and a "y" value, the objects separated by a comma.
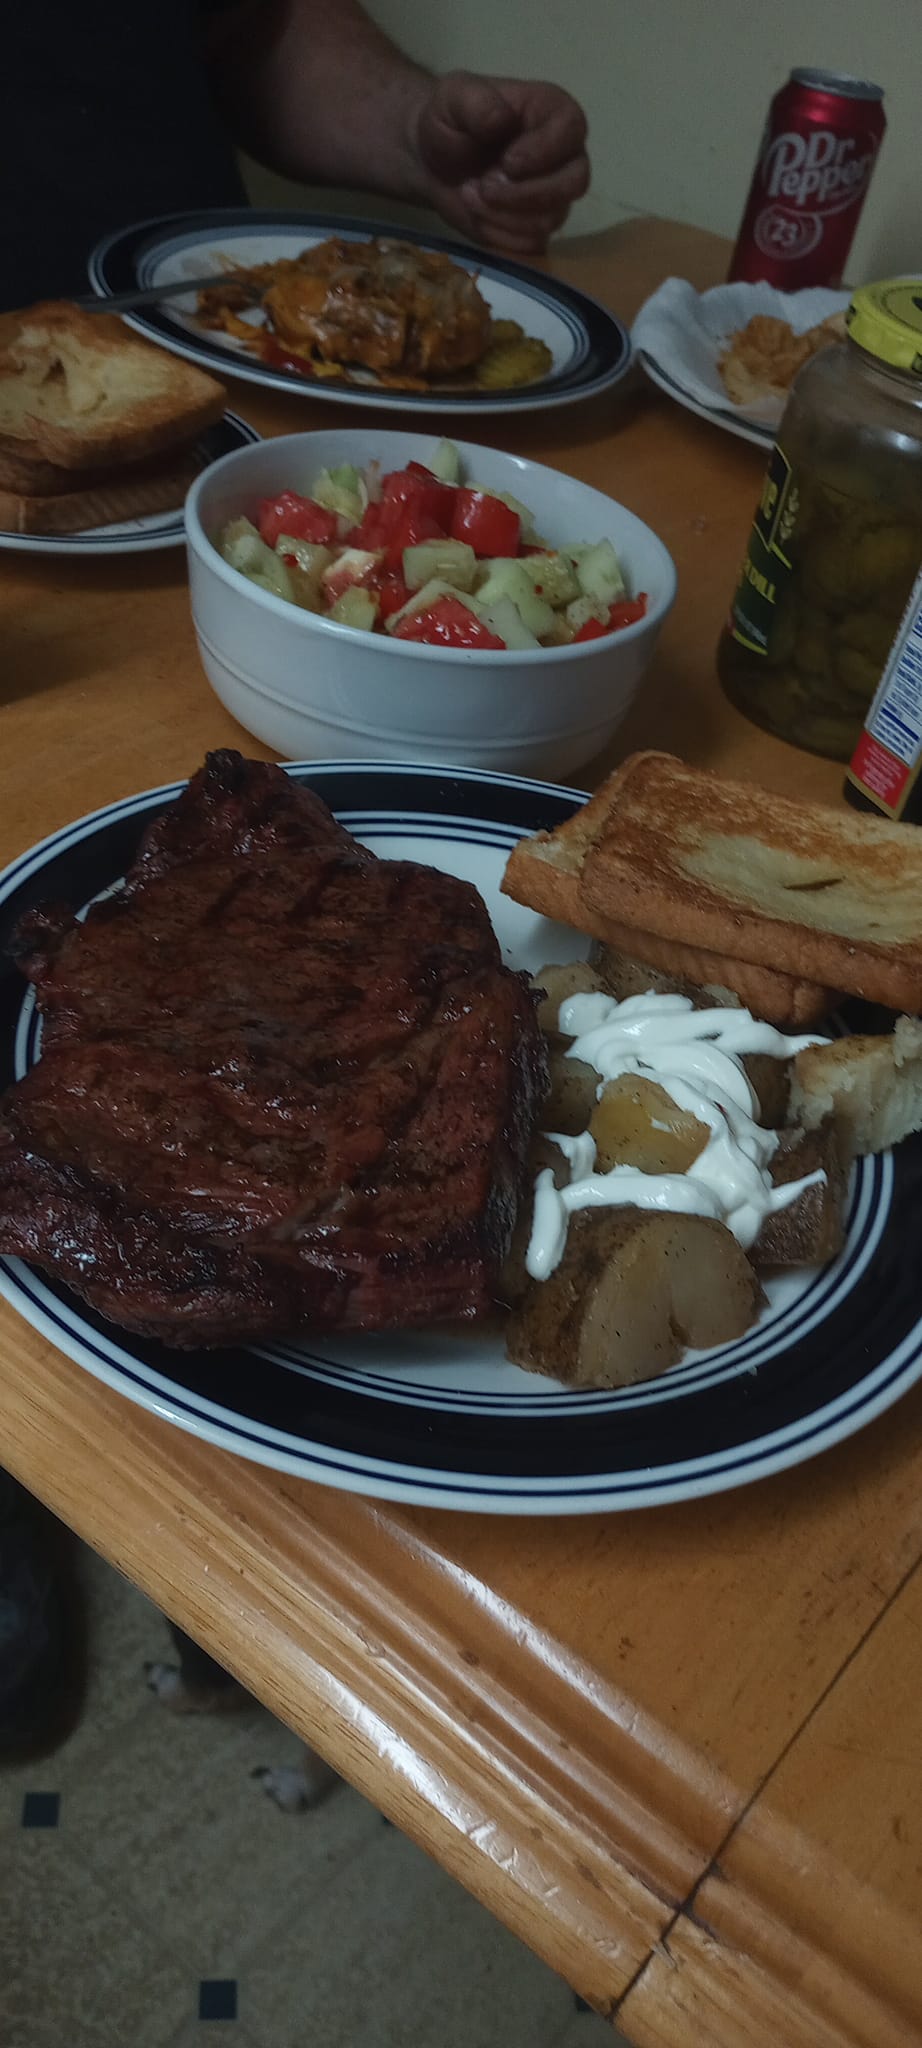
[{"x": 677, "y": 1751}]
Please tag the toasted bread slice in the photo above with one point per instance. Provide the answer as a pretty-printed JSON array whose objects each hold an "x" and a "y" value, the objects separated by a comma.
[
  {"x": 125, "y": 494},
  {"x": 80, "y": 391},
  {"x": 872, "y": 1086},
  {"x": 547, "y": 873},
  {"x": 803, "y": 890}
]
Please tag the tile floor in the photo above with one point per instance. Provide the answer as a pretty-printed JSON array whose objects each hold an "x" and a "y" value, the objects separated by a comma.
[{"x": 151, "y": 1896}]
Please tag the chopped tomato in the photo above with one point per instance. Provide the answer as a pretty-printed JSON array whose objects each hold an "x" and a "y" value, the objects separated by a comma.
[
  {"x": 375, "y": 527},
  {"x": 623, "y": 613},
  {"x": 627, "y": 610},
  {"x": 283, "y": 358},
  {"x": 391, "y": 592},
  {"x": 417, "y": 487},
  {"x": 301, "y": 517},
  {"x": 414, "y": 526},
  {"x": 447, "y": 623},
  {"x": 488, "y": 526}
]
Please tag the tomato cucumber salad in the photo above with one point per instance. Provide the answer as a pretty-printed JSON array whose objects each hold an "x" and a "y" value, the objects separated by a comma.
[{"x": 425, "y": 555}]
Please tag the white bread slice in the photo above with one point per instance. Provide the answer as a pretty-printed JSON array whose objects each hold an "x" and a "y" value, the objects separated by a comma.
[
  {"x": 546, "y": 873},
  {"x": 79, "y": 391},
  {"x": 871, "y": 1086},
  {"x": 123, "y": 494},
  {"x": 803, "y": 890}
]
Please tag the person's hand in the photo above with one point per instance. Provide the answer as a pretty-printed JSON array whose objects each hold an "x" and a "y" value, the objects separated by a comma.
[{"x": 502, "y": 158}]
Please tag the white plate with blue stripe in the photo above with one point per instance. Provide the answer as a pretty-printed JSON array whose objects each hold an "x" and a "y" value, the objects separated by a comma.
[
  {"x": 441, "y": 1417},
  {"x": 155, "y": 529},
  {"x": 590, "y": 349}
]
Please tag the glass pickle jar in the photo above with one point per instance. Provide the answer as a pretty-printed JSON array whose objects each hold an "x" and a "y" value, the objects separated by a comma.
[{"x": 837, "y": 537}]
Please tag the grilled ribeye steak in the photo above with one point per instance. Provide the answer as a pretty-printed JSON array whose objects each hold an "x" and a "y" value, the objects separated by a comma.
[{"x": 284, "y": 1085}]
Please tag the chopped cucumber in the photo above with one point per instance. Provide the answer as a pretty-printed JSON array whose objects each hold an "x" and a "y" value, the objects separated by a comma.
[
  {"x": 306, "y": 572},
  {"x": 583, "y": 609},
  {"x": 452, "y": 560},
  {"x": 343, "y": 491},
  {"x": 505, "y": 620},
  {"x": 598, "y": 572},
  {"x": 422, "y": 599},
  {"x": 446, "y": 463},
  {"x": 308, "y": 554},
  {"x": 509, "y": 578},
  {"x": 553, "y": 576},
  {"x": 355, "y": 607},
  {"x": 242, "y": 548}
]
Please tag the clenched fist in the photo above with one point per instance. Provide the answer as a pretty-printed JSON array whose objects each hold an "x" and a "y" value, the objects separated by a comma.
[{"x": 502, "y": 158}]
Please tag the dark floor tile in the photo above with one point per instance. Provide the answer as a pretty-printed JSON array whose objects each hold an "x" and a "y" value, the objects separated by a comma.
[
  {"x": 41, "y": 1809},
  {"x": 217, "y": 1998}
]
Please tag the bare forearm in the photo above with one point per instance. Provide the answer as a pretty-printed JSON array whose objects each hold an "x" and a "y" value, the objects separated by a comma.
[{"x": 315, "y": 89}]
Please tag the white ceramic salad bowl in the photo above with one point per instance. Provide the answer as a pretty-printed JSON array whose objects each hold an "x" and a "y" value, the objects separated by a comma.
[{"x": 312, "y": 688}]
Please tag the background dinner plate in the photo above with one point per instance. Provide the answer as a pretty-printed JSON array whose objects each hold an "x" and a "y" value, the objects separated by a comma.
[
  {"x": 746, "y": 430},
  {"x": 680, "y": 334},
  {"x": 137, "y": 536},
  {"x": 590, "y": 348},
  {"x": 438, "y": 1416}
]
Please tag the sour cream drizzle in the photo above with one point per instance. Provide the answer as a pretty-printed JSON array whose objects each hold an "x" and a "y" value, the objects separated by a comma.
[{"x": 696, "y": 1057}]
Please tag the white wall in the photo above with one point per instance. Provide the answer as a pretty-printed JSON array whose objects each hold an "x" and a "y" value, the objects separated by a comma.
[{"x": 676, "y": 93}]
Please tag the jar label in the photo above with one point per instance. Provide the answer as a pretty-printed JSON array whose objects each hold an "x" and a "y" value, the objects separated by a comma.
[
  {"x": 887, "y": 760},
  {"x": 767, "y": 565}
]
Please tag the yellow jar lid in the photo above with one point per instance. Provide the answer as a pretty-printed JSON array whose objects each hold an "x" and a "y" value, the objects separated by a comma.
[{"x": 886, "y": 319}]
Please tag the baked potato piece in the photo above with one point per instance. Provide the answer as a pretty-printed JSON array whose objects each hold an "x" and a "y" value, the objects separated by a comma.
[
  {"x": 812, "y": 1230},
  {"x": 635, "y": 1123},
  {"x": 556, "y": 983},
  {"x": 632, "y": 1291},
  {"x": 571, "y": 1099},
  {"x": 771, "y": 1080},
  {"x": 619, "y": 975}
]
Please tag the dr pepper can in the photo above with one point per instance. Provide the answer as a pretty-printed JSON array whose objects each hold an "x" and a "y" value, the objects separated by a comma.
[{"x": 814, "y": 166}]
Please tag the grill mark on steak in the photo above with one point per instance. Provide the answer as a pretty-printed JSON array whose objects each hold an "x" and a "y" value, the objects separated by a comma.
[{"x": 284, "y": 1084}]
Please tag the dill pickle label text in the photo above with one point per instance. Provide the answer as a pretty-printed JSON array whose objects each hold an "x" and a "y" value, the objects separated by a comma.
[{"x": 767, "y": 564}]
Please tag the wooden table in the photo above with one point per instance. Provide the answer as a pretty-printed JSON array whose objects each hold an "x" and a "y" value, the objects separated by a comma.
[{"x": 679, "y": 1751}]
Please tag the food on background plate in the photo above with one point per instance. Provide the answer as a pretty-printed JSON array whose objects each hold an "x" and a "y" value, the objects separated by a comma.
[
  {"x": 403, "y": 317},
  {"x": 671, "y": 1101},
  {"x": 761, "y": 360},
  {"x": 427, "y": 556},
  {"x": 284, "y": 1085},
  {"x": 96, "y": 425}
]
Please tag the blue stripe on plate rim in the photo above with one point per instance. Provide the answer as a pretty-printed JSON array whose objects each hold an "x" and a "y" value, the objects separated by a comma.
[
  {"x": 601, "y": 343},
  {"x": 795, "y": 1439}
]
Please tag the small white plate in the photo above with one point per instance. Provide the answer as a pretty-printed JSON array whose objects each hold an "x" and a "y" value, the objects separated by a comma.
[
  {"x": 138, "y": 536},
  {"x": 679, "y": 336}
]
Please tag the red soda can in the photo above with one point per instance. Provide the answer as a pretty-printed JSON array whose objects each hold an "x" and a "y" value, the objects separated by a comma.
[{"x": 813, "y": 169}]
